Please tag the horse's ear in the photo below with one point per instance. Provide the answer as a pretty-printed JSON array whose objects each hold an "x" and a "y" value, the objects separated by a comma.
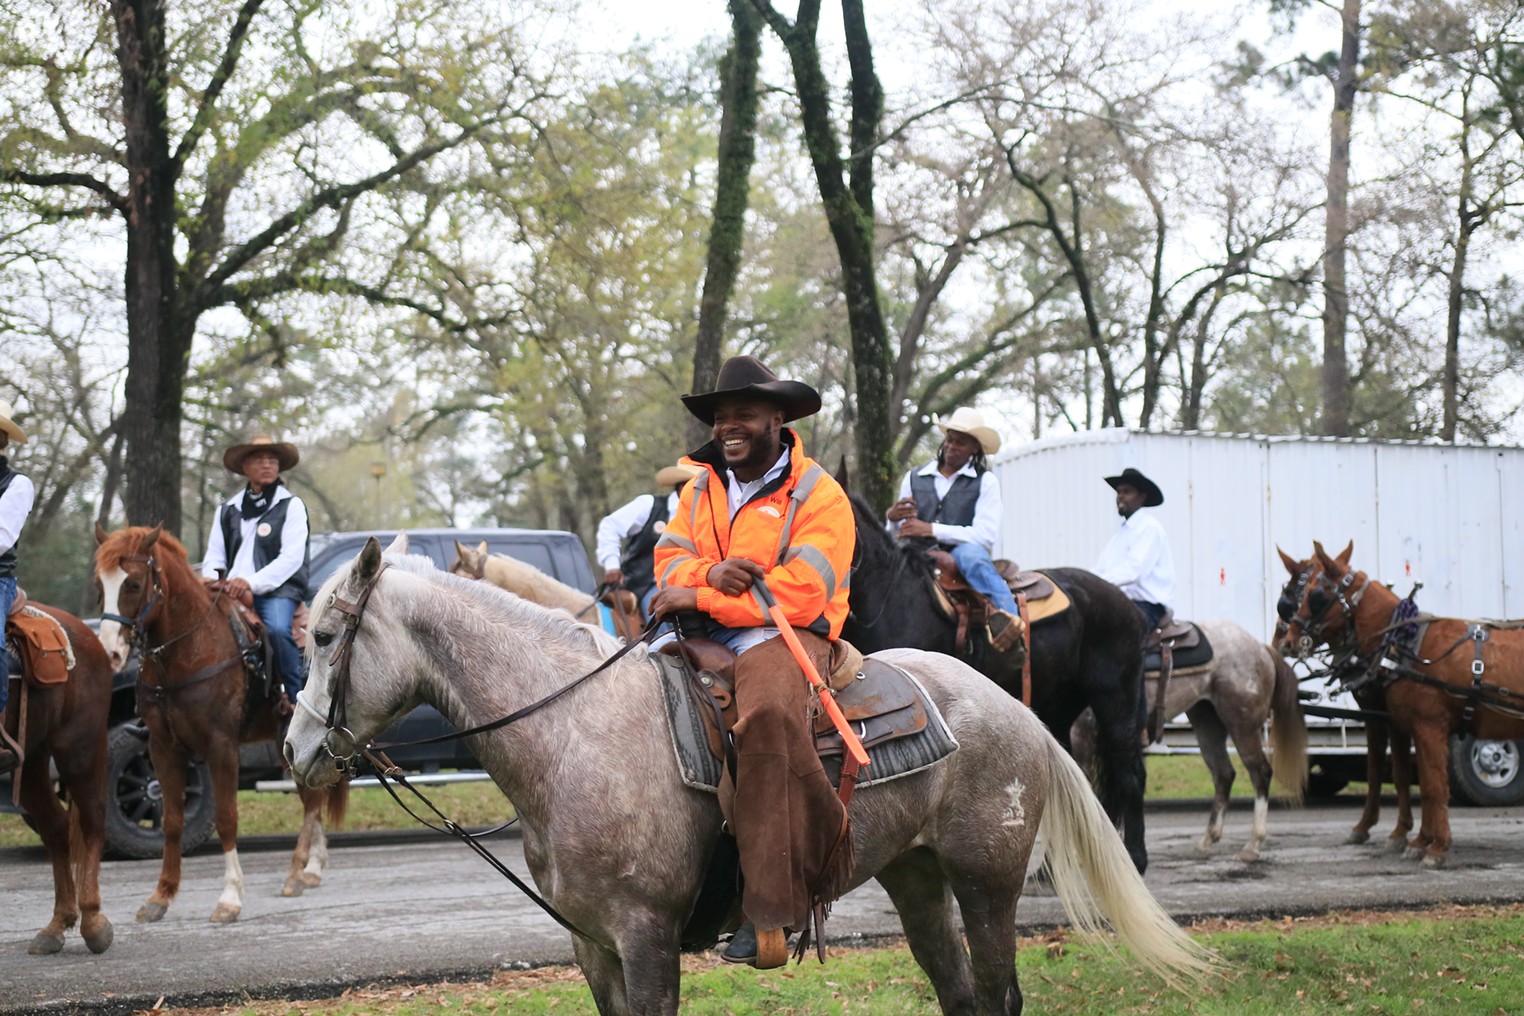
[
  {"x": 399, "y": 544},
  {"x": 481, "y": 548},
  {"x": 101, "y": 536},
  {"x": 1289, "y": 561},
  {"x": 842, "y": 476},
  {"x": 1344, "y": 554},
  {"x": 1322, "y": 556},
  {"x": 462, "y": 552},
  {"x": 152, "y": 537},
  {"x": 370, "y": 560}
]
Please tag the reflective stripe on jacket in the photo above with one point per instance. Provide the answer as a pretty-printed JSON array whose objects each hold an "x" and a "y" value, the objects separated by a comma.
[{"x": 801, "y": 530}]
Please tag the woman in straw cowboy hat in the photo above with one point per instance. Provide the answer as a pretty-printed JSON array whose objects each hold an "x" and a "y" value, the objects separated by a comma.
[
  {"x": 16, "y": 496},
  {"x": 627, "y": 535},
  {"x": 954, "y": 502},
  {"x": 259, "y": 546}
]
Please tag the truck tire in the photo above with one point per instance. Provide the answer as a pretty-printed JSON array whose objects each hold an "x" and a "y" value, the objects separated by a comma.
[
  {"x": 1487, "y": 773},
  {"x": 135, "y": 807}
]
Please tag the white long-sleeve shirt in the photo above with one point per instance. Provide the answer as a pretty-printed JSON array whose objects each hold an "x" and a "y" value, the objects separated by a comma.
[
  {"x": 624, "y": 522},
  {"x": 1137, "y": 559},
  {"x": 293, "y": 546},
  {"x": 985, "y": 529},
  {"x": 15, "y": 506}
]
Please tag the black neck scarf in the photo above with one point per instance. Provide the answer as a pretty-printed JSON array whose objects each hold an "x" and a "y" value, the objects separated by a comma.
[{"x": 255, "y": 505}]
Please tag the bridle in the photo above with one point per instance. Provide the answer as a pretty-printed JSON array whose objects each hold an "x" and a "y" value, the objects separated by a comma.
[
  {"x": 1318, "y": 625},
  {"x": 338, "y": 742},
  {"x": 137, "y": 632}
]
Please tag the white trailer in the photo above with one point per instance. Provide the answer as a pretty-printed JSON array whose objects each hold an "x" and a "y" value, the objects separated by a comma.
[{"x": 1449, "y": 516}]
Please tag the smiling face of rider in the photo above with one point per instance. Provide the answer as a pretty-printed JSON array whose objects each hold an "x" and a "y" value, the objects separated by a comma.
[{"x": 748, "y": 432}]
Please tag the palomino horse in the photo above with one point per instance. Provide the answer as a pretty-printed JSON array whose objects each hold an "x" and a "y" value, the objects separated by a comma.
[
  {"x": 194, "y": 696},
  {"x": 67, "y": 723},
  {"x": 529, "y": 583},
  {"x": 619, "y": 845},
  {"x": 1089, "y": 656},
  {"x": 1354, "y": 673},
  {"x": 1455, "y": 676}
]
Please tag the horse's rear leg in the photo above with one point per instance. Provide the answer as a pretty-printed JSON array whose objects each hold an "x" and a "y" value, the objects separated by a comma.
[
  {"x": 1402, "y": 781},
  {"x": 311, "y": 845},
  {"x": 1123, "y": 780},
  {"x": 223, "y": 765},
  {"x": 922, "y": 897},
  {"x": 83, "y": 773},
  {"x": 642, "y": 978},
  {"x": 1251, "y": 751},
  {"x": 1433, "y": 744},
  {"x": 988, "y": 905},
  {"x": 53, "y": 827},
  {"x": 1212, "y": 739},
  {"x": 169, "y": 763}
]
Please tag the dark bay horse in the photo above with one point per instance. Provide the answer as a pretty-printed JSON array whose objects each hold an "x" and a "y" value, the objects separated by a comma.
[
  {"x": 66, "y": 723},
  {"x": 1379, "y": 732},
  {"x": 193, "y": 694},
  {"x": 618, "y": 844},
  {"x": 1461, "y": 677},
  {"x": 1089, "y": 656}
]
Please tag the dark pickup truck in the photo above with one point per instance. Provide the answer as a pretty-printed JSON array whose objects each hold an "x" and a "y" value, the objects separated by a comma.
[{"x": 135, "y": 812}]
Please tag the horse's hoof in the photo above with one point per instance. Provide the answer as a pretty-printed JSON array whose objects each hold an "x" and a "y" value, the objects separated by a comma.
[
  {"x": 99, "y": 939},
  {"x": 151, "y": 911},
  {"x": 1412, "y": 853},
  {"x": 1434, "y": 861},
  {"x": 225, "y": 914},
  {"x": 1397, "y": 845},
  {"x": 311, "y": 879},
  {"x": 1203, "y": 852},
  {"x": 1250, "y": 854},
  {"x": 45, "y": 944},
  {"x": 1356, "y": 837},
  {"x": 293, "y": 887}
]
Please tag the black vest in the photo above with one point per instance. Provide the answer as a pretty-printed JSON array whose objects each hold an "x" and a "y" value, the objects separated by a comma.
[
  {"x": 638, "y": 562},
  {"x": 956, "y": 509},
  {"x": 267, "y": 547},
  {"x": 8, "y": 559}
]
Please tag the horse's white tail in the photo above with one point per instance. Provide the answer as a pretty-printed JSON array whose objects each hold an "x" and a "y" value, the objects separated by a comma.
[{"x": 1097, "y": 883}]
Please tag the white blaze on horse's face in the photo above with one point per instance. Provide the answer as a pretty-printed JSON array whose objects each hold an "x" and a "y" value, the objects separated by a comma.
[{"x": 113, "y": 637}]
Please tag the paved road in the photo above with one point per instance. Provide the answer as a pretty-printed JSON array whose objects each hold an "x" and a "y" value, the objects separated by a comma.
[{"x": 424, "y": 908}]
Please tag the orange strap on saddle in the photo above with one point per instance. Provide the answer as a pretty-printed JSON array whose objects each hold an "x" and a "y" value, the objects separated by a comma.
[{"x": 1026, "y": 645}]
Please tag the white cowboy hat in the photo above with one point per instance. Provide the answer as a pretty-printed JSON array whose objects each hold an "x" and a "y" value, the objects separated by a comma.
[
  {"x": 671, "y": 476},
  {"x": 8, "y": 425},
  {"x": 970, "y": 422}
]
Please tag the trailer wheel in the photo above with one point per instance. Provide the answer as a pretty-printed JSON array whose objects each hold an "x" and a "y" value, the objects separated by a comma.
[{"x": 1487, "y": 773}]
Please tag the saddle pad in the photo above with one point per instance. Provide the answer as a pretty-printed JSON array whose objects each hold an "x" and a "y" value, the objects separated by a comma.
[
  {"x": 1048, "y": 606},
  {"x": 902, "y": 756},
  {"x": 1198, "y": 654},
  {"x": 42, "y": 644}
]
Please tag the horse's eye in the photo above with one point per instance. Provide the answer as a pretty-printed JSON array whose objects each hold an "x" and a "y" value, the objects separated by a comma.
[
  {"x": 131, "y": 585},
  {"x": 322, "y": 638}
]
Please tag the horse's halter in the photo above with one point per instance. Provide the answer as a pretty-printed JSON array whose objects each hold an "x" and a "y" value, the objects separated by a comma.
[
  {"x": 339, "y": 742},
  {"x": 1318, "y": 600},
  {"x": 137, "y": 627}
]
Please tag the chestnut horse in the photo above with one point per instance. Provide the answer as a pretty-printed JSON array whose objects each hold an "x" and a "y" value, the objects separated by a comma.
[
  {"x": 67, "y": 723},
  {"x": 193, "y": 695},
  {"x": 1461, "y": 677},
  {"x": 1353, "y": 672}
]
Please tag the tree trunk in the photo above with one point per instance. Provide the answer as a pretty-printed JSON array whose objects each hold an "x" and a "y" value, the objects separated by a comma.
[
  {"x": 158, "y": 343},
  {"x": 737, "y": 153},
  {"x": 1336, "y": 231},
  {"x": 1467, "y": 219}
]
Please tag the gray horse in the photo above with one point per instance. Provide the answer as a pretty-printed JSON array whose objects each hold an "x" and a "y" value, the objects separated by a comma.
[{"x": 617, "y": 843}]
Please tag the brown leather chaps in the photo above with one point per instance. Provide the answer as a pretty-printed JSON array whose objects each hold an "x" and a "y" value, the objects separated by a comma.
[{"x": 786, "y": 816}]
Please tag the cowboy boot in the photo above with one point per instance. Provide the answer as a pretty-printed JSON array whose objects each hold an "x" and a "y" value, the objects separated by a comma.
[
  {"x": 1005, "y": 630},
  {"x": 763, "y": 950}
]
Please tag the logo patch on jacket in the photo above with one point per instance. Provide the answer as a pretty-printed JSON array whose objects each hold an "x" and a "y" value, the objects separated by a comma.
[{"x": 770, "y": 511}]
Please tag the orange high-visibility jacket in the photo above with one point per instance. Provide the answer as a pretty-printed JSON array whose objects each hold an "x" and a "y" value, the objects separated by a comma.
[{"x": 800, "y": 529}]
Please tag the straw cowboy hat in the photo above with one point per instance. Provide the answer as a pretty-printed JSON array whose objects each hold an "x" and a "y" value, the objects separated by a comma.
[
  {"x": 1152, "y": 495},
  {"x": 285, "y": 454},
  {"x": 745, "y": 376},
  {"x": 671, "y": 476},
  {"x": 970, "y": 422},
  {"x": 8, "y": 425}
]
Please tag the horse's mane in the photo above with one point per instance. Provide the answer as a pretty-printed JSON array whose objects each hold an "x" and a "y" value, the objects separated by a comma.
[
  {"x": 125, "y": 543},
  {"x": 542, "y": 588},
  {"x": 881, "y": 553}
]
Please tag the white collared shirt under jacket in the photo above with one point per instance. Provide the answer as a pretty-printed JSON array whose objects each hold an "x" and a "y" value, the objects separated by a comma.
[
  {"x": 624, "y": 522},
  {"x": 15, "y": 506},
  {"x": 1138, "y": 560},
  {"x": 293, "y": 546},
  {"x": 985, "y": 529}
]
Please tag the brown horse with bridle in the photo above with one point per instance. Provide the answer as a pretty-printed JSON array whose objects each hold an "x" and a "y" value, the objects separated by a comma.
[
  {"x": 65, "y": 722},
  {"x": 1441, "y": 676},
  {"x": 195, "y": 696}
]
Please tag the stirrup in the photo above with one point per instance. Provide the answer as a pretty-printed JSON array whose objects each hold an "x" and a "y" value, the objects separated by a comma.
[{"x": 1004, "y": 630}]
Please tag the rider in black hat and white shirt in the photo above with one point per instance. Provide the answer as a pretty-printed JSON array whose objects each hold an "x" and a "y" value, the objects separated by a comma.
[{"x": 1137, "y": 558}]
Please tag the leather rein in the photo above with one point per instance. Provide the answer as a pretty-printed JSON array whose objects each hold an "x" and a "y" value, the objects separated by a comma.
[
  {"x": 341, "y": 746},
  {"x": 137, "y": 634}
]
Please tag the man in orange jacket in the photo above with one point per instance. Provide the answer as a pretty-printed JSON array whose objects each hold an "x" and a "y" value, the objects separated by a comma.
[{"x": 760, "y": 508}]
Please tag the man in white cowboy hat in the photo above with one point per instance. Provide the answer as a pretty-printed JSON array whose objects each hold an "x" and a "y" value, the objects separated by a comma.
[
  {"x": 16, "y": 496},
  {"x": 954, "y": 502},
  {"x": 627, "y": 535},
  {"x": 259, "y": 545},
  {"x": 1137, "y": 558}
]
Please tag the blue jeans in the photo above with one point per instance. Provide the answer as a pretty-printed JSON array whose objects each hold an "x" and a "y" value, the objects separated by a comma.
[
  {"x": 1151, "y": 612},
  {"x": 277, "y": 613},
  {"x": 979, "y": 572},
  {"x": 737, "y": 640},
  {"x": 7, "y": 597}
]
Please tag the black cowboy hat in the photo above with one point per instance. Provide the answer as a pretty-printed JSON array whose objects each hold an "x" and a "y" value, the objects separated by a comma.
[
  {"x": 1152, "y": 495},
  {"x": 745, "y": 376}
]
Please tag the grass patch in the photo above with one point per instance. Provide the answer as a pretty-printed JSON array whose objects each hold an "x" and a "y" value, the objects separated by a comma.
[{"x": 1450, "y": 960}]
